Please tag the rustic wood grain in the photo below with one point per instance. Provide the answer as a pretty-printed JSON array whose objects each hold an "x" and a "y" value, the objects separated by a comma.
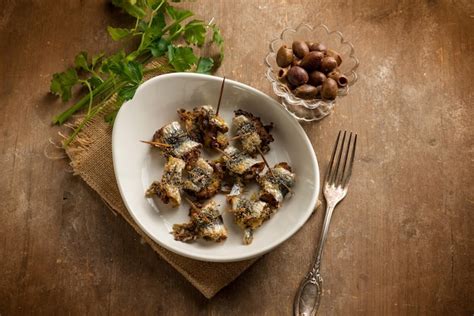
[{"x": 401, "y": 243}]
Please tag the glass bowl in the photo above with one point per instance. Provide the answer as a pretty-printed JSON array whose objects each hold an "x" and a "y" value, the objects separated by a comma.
[{"x": 315, "y": 109}]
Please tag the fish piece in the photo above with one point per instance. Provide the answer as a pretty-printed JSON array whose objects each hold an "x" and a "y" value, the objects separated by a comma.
[
  {"x": 249, "y": 214},
  {"x": 276, "y": 185},
  {"x": 203, "y": 180},
  {"x": 206, "y": 222},
  {"x": 177, "y": 143},
  {"x": 236, "y": 190},
  {"x": 191, "y": 124},
  {"x": 251, "y": 132},
  {"x": 204, "y": 126},
  {"x": 241, "y": 164},
  {"x": 168, "y": 189}
]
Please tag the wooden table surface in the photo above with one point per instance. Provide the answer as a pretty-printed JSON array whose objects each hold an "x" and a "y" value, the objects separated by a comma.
[{"x": 401, "y": 243}]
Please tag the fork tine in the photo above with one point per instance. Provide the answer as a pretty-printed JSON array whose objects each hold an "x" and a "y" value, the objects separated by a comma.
[
  {"x": 331, "y": 162},
  {"x": 349, "y": 171},
  {"x": 346, "y": 157},
  {"x": 341, "y": 149}
]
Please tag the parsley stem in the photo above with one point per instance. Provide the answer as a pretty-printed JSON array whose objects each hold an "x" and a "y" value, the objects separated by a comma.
[
  {"x": 62, "y": 117},
  {"x": 95, "y": 110},
  {"x": 136, "y": 24},
  {"x": 86, "y": 119},
  {"x": 175, "y": 34},
  {"x": 89, "y": 88},
  {"x": 178, "y": 21},
  {"x": 153, "y": 13}
]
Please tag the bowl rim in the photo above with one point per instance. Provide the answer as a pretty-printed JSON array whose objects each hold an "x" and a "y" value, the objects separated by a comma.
[{"x": 237, "y": 256}]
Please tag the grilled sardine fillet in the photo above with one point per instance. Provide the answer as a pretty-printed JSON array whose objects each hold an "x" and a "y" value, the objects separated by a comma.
[
  {"x": 180, "y": 144},
  {"x": 202, "y": 180},
  {"x": 277, "y": 184},
  {"x": 204, "y": 126},
  {"x": 206, "y": 222},
  {"x": 249, "y": 214},
  {"x": 241, "y": 164},
  {"x": 251, "y": 132},
  {"x": 168, "y": 189}
]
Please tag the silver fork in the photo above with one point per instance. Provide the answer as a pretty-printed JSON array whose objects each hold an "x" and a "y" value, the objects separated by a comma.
[{"x": 335, "y": 189}]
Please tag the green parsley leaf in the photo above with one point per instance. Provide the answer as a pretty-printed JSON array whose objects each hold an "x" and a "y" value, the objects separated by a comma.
[
  {"x": 134, "y": 72},
  {"x": 205, "y": 65},
  {"x": 181, "y": 58},
  {"x": 218, "y": 40},
  {"x": 131, "y": 7},
  {"x": 154, "y": 31},
  {"x": 178, "y": 14},
  {"x": 62, "y": 83},
  {"x": 118, "y": 33},
  {"x": 217, "y": 36},
  {"x": 95, "y": 81},
  {"x": 176, "y": 30},
  {"x": 96, "y": 59},
  {"x": 129, "y": 71},
  {"x": 159, "y": 22},
  {"x": 80, "y": 61},
  {"x": 127, "y": 92},
  {"x": 159, "y": 48},
  {"x": 142, "y": 26},
  {"x": 113, "y": 59},
  {"x": 195, "y": 32}
]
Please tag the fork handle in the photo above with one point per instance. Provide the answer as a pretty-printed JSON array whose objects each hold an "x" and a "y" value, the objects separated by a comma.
[{"x": 309, "y": 293}]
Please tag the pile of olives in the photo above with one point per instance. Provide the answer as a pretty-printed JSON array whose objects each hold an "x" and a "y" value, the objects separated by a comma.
[{"x": 310, "y": 70}]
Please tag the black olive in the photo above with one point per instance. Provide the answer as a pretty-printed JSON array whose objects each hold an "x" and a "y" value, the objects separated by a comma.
[
  {"x": 329, "y": 89},
  {"x": 297, "y": 76},
  {"x": 296, "y": 61},
  {"x": 282, "y": 73},
  {"x": 318, "y": 47},
  {"x": 334, "y": 74},
  {"x": 316, "y": 78},
  {"x": 341, "y": 80},
  {"x": 284, "y": 56},
  {"x": 312, "y": 61},
  {"x": 328, "y": 64},
  {"x": 335, "y": 55},
  {"x": 300, "y": 48},
  {"x": 306, "y": 91}
]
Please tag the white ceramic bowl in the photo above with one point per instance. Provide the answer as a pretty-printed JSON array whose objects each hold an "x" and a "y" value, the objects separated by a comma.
[{"x": 137, "y": 165}]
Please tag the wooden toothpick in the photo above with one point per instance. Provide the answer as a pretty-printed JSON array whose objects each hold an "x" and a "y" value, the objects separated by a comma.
[
  {"x": 271, "y": 171},
  {"x": 194, "y": 206},
  {"x": 265, "y": 160},
  {"x": 220, "y": 96},
  {"x": 157, "y": 144},
  {"x": 240, "y": 136},
  {"x": 222, "y": 152}
]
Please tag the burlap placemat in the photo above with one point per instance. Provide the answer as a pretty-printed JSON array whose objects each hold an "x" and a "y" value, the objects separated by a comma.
[{"x": 91, "y": 159}]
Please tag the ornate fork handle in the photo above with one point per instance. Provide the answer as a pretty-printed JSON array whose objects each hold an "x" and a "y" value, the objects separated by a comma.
[{"x": 309, "y": 293}]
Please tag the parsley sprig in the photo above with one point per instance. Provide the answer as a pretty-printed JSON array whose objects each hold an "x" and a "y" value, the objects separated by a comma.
[{"x": 162, "y": 31}]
